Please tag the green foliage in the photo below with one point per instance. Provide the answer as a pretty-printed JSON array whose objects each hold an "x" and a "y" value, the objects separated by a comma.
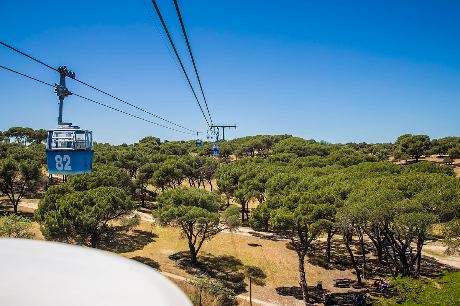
[
  {"x": 169, "y": 174},
  {"x": 81, "y": 216},
  {"x": 231, "y": 217},
  {"x": 347, "y": 156},
  {"x": 400, "y": 210},
  {"x": 223, "y": 296},
  {"x": 174, "y": 148},
  {"x": 19, "y": 178},
  {"x": 413, "y": 146},
  {"x": 302, "y": 147},
  {"x": 428, "y": 167},
  {"x": 260, "y": 217},
  {"x": 442, "y": 146},
  {"x": 102, "y": 176},
  {"x": 454, "y": 152},
  {"x": 144, "y": 176},
  {"x": 15, "y": 226},
  {"x": 451, "y": 232},
  {"x": 441, "y": 291},
  {"x": 194, "y": 211},
  {"x": 251, "y": 146}
]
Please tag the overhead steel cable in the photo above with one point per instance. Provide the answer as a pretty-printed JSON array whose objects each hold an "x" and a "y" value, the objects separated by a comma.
[
  {"x": 129, "y": 114},
  {"x": 96, "y": 102},
  {"x": 132, "y": 105},
  {"x": 27, "y": 76},
  {"x": 157, "y": 9},
  {"x": 27, "y": 55},
  {"x": 97, "y": 89},
  {"x": 179, "y": 15}
]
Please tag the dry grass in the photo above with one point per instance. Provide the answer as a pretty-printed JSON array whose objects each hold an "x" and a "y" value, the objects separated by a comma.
[{"x": 278, "y": 262}]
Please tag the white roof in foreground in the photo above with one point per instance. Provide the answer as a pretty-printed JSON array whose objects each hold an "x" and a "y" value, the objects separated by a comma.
[{"x": 43, "y": 273}]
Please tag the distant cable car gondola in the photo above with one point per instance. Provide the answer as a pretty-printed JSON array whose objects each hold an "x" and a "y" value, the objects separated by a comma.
[
  {"x": 198, "y": 141},
  {"x": 69, "y": 149},
  {"x": 215, "y": 150}
]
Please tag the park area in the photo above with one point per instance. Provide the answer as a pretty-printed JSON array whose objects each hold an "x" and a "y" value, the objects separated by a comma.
[{"x": 274, "y": 220}]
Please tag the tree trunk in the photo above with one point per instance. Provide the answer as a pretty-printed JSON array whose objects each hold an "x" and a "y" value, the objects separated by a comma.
[
  {"x": 15, "y": 207},
  {"x": 330, "y": 234},
  {"x": 353, "y": 261},
  {"x": 403, "y": 261},
  {"x": 363, "y": 255},
  {"x": 143, "y": 198},
  {"x": 193, "y": 255},
  {"x": 94, "y": 239},
  {"x": 303, "y": 280},
  {"x": 420, "y": 242}
]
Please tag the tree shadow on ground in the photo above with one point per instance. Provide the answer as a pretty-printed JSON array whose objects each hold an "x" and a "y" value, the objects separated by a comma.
[
  {"x": 227, "y": 269},
  {"x": 147, "y": 261},
  {"x": 319, "y": 296},
  {"x": 430, "y": 267},
  {"x": 120, "y": 241},
  {"x": 266, "y": 236},
  {"x": 343, "y": 298},
  {"x": 340, "y": 259},
  {"x": 339, "y": 256},
  {"x": 315, "y": 294}
]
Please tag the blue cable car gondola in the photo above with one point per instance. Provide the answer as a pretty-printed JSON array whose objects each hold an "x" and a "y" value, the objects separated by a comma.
[
  {"x": 69, "y": 150},
  {"x": 215, "y": 150},
  {"x": 198, "y": 141}
]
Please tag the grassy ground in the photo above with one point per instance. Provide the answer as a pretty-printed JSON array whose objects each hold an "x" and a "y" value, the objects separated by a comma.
[
  {"x": 225, "y": 256},
  {"x": 228, "y": 250}
]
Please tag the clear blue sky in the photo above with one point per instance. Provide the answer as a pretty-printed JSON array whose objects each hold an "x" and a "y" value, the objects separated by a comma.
[{"x": 330, "y": 70}]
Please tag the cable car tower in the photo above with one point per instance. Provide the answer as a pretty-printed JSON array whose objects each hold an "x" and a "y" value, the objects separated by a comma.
[
  {"x": 215, "y": 128},
  {"x": 69, "y": 149}
]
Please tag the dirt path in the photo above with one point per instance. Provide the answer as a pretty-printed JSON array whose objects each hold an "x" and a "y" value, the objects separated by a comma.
[
  {"x": 437, "y": 252},
  {"x": 30, "y": 205}
]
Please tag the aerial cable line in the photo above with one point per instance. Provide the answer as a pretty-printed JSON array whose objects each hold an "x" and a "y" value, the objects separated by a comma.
[
  {"x": 157, "y": 26},
  {"x": 172, "y": 56},
  {"x": 179, "y": 15},
  {"x": 132, "y": 105},
  {"x": 134, "y": 116},
  {"x": 27, "y": 55},
  {"x": 157, "y": 9},
  {"x": 96, "y": 102},
  {"x": 97, "y": 89},
  {"x": 27, "y": 76}
]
